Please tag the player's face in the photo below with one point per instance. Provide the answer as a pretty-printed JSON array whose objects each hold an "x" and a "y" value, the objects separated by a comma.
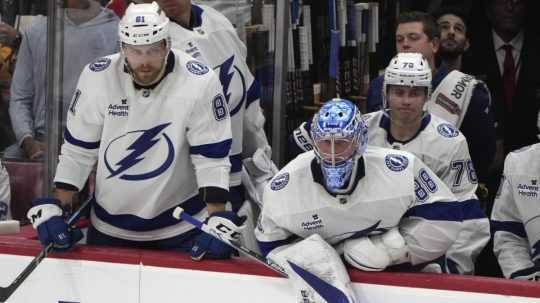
[
  {"x": 146, "y": 61},
  {"x": 406, "y": 103},
  {"x": 453, "y": 34},
  {"x": 410, "y": 37},
  {"x": 173, "y": 8},
  {"x": 343, "y": 149}
]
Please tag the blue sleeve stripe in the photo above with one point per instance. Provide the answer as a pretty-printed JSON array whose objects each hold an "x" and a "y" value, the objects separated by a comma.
[
  {"x": 438, "y": 211},
  {"x": 536, "y": 249},
  {"x": 131, "y": 222},
  {"x": 74, "y": 141},
  {"x": 236, "y": 163},
  {"x": 472, "y": 210},
  {"x": 212, "y": 150},
  {"x": 253, "y": 93},
  {"x": 516, "y": 228},
  {"x": 267, "y": 247}
]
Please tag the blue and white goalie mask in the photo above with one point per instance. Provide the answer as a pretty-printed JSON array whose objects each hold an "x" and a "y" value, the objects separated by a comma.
[{"x": 340, "y": 137}]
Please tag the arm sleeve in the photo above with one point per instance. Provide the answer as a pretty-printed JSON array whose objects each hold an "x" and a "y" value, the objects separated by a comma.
[
  {"x": 22, "y": 92},
  {"x": 268, "y": 233},
  {"x": 434, "y": 219},
  {"x": 300, "y": 140},
  {"x": 510, "y": 242},
  {"x": 460, "y": 176},
  {"x": 479, "y": 128},
  {"x": 82, "y": 135},
  {"x": 209, "y": 137},
  {"x": 254, "y": 136}
]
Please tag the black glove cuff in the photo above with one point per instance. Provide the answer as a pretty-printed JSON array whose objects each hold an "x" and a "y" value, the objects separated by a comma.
[{"x": 212, "y": 194}]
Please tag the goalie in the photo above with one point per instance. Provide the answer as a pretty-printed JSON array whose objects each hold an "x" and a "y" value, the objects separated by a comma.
[{"x": 376, "y": 206}]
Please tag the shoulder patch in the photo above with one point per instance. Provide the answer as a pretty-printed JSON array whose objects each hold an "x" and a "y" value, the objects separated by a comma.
[
  {"x": 396, "y": 162},
  {"x": 196, "y": 67},
  {"x": 280, "y": 181},
  {"x": 447, "y": 130},
  {"x": 100, "y": 64}
]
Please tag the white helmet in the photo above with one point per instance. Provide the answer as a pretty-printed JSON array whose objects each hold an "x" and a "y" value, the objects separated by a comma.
[
  {"x": 143, "y": 24},
  {"x": 407, "y": 69}
]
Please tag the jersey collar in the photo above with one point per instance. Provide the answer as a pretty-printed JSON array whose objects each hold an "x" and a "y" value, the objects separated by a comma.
[{"x": 319, "y": 178}]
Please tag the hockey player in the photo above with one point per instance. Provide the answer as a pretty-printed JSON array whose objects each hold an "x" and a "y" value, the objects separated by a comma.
[
  {"x": 157, "y": 123},
  {"x": 208, "y": 36},
  {"x": 404, "y": 125},
  {"x": 379, "y": 206},
  {"x": 516, "y": 216}
]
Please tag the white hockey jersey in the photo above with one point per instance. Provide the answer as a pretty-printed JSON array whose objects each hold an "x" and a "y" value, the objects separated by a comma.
[
  {"x": 393, "y": 189},
  {"x": 214, "y": 41},
  {"x": 515, "y": 217},
  {"x": 444, "y": 150},
  {"x": 5, "y": 194},
  {"x": 154, "y": 147}
]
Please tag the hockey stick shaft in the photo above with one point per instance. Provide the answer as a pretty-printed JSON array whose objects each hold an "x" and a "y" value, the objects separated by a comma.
[
  {"x": 180, "y": 214},
  {"x": 6, "y": 292}
]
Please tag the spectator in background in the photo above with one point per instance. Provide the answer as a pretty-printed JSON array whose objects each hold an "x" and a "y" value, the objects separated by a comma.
[
  {"x": 9, "y": 43},
  {"x": 90, "y": 31},
  {"x": 469, "y": 110},
  {"x": 505, "y": 55}
]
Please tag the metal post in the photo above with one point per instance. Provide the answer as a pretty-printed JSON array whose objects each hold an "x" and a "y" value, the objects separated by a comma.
[
  {"x": 54, "y": 103},
  {"x": 280, "y": 76}
]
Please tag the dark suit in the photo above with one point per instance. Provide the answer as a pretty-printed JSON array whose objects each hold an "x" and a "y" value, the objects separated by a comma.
[{"x": 516, "y": 125}]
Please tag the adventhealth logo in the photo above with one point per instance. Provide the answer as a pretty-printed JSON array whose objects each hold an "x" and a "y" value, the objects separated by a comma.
[
  {"x": 530, "y": 191},
  {"x": 315, "y": 223}
]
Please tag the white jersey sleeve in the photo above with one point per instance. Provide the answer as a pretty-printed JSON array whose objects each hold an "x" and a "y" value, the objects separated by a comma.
[
  {"x": 516, "y": 213},
  {"x": 83, "y": 131},
  {"x": 208, "y": 124},
  {"x": 434, "y": 220}
]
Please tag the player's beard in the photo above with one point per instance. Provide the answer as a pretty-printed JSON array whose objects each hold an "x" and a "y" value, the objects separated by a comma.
[
  {"x": 151, "y": 76},
  {"x": 451, "y": 52}
]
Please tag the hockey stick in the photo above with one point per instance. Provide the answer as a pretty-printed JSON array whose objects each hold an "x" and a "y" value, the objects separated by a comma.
[
  {"x": 325, "y": 290},
  {"x": 6, "y": 292}
]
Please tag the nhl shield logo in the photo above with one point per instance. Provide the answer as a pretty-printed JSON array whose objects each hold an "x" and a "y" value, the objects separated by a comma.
[
  {"x": 280, "y": 181},
  {"x": 396, "y": 162},
  {"x": 100, "y": 64},
  {"x": 447, "y": 130}
]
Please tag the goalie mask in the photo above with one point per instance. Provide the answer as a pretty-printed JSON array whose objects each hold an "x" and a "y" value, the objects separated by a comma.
[
  {"x": 407, "y": 69},
  {"x": 340, "y": 137},
  {"x": 145, "y": 41}
]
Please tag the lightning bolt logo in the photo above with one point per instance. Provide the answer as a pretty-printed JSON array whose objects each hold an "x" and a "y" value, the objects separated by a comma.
[
  {"x": 225, "y": 76},
  {"x": 138, "y": 148}
]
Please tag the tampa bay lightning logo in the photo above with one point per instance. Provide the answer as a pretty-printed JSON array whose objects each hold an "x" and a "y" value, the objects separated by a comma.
[
  {"x": 197, "y": 67},
  {"x": 280, "y": 181},
  {"x": 100, "y": 64},
  {"x": 396, "y": 162},
  {"x": 447, "y": 130},
  {"x": 3, "y": 210},
  {"x": 233, "y": 83},
  {"x": 148, "y": 154}
]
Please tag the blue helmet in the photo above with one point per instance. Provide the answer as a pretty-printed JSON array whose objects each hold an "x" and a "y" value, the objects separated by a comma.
[{"x": 340, "y": 137}]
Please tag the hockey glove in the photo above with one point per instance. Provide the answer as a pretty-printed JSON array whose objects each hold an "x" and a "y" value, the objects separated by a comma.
[
  {"x": 47, "y": 217},
  {"x": 225, "y": 225}
]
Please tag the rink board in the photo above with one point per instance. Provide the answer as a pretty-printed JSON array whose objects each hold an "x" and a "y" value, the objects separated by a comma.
[{"x": 101, "y": 274}]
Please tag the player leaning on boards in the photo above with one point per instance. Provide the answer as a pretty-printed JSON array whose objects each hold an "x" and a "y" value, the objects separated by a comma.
[
  {"x": 157, "y": 123},
  {"x": 405, "y": 125},
  {"x": 379, "y": 207},
  {"x": 516, "y": 216}
]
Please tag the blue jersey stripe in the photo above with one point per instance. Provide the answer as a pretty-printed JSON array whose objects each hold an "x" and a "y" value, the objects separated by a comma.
[
  {"x": 472, "y": 210},
  {"x": 441, "y": 211},
  {"x": 74, "y": 141},
  {"x": 536, "y": 249},
  {"x": 516, "y": 228},
  {"x": 267, "y": 247},
  {"x": 212, "y": 150},
  {"x": 253, "y": 93},
  {"x": 131, "y": 222},
  {"x": 236, "y": 163}
]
